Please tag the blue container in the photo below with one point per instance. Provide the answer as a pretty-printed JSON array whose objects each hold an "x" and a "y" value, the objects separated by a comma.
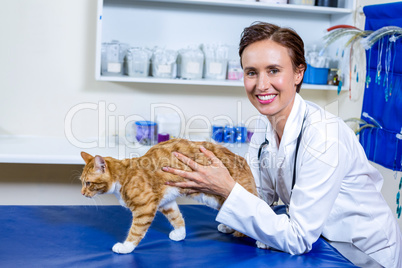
[
  {"x": 249, "y": 135},
  {"x": 146, "y": 132},
  {"x": 229, "y": 134},
  {"x": 317, "y": 76},
  {"x": 217, "y": 133},
  {"x": 241, "y": 134}
]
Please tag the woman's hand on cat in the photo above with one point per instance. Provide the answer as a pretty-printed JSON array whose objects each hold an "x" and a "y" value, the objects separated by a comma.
[{"x": 212, "y": 179}]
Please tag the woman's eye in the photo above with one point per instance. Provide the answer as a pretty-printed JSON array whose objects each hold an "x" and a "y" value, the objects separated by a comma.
[
  {"x": 250, "y": 73},
  {"x": 274, "y": 71}
]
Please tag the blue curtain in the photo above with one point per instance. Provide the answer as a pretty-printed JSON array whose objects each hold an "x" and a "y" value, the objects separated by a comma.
[{"x": 382, "y": 103}]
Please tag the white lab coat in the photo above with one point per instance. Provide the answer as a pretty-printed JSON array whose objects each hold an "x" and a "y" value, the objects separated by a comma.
[{"x": 336, "y": 194}]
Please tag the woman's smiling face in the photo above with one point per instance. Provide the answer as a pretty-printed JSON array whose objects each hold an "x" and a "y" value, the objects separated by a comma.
[{"x": 269, "y": 78}]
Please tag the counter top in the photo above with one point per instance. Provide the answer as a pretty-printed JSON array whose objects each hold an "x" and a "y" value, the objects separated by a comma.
[{"x": 59, "y": 150}]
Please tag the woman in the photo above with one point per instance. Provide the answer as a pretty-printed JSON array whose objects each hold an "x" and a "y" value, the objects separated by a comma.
[{"x": 308, "y": 158}]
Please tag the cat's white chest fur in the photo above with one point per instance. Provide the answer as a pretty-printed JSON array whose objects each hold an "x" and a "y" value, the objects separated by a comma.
[{"x": 115, "y": 189}]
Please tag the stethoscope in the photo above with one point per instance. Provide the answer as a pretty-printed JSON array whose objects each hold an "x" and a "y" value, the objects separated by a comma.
[{"x": 265, "y": 143}]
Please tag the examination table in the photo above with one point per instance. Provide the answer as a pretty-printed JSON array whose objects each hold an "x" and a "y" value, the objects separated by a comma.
[{"x": 83, "y": 236}]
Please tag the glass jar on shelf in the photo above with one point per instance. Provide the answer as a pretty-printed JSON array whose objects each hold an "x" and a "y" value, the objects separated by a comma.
[
  {"x": 333, "y": 78},
  {"x": 112, "y": 58}
]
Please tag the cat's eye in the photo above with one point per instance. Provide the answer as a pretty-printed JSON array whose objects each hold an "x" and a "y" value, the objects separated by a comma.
[{"x": 87, "y": 183}]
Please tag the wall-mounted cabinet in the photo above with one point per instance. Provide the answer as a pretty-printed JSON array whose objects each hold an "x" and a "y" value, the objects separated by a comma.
[{"x": 175, "y": 24}]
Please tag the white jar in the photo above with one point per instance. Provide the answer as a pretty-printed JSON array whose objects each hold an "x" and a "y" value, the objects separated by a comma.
[
  {"x": 302, "y": 2},
  {"x": 274, "y": 1},
  {"x": 137, "y": 61},
  {"x": 112, "y": 58},
  {"x": 235, "y": 72},
  {"x": 169, "y": 123},
  {"x": 164, "y": 63},
  {"x": 191, "y": 63},
  {"x": 216, "y": 61}
]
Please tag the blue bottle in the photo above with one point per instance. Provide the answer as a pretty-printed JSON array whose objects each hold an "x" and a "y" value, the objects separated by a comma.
[
  {"x": 217, "y": 133},
  {"x": 229, "y": 134}
]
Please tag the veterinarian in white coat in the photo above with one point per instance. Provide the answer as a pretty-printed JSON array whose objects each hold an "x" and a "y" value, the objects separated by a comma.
[
  {"x": 309, "y": 159},
  {"x": 336, "y": 194}
]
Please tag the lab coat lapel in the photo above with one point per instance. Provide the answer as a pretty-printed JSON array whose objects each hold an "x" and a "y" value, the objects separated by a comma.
[
  {"x": 294, "y": 123},
  {"x": 286, "y": 152},
  {"x": 280, "y": 167}
]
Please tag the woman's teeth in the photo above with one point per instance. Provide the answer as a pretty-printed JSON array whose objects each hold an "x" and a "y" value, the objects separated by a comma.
[{"x": 265, "y": 97}]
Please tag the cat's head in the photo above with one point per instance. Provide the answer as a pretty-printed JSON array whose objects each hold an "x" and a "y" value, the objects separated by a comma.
[{"x": 96, "y": 178}]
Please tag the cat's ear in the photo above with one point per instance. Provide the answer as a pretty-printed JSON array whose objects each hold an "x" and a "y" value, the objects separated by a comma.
[
  {"x": 87, "y": 157},
  {"x": 100, "y": 164}
]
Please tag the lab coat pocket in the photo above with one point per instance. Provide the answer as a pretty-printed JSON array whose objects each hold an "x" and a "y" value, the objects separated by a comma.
[{"x": 384, "y": 257}]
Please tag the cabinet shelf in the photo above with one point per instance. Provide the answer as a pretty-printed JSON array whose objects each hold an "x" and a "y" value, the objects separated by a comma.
[
  {"x": 200, "y": 82},
  {"x": 177, "y": 23},
  {"x": 260, "y": 5}
]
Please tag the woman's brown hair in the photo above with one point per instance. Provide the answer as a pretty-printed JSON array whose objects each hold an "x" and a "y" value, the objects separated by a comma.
[{"x": 284, "y": 36}]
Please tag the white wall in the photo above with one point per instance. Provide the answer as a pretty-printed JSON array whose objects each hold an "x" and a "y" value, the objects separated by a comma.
[
  {"x": 47, "y": 50},
  {"x": 48, "y": 54}
]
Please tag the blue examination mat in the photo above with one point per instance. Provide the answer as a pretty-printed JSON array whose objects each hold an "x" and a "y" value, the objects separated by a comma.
[{"x": 83, "y": 236}]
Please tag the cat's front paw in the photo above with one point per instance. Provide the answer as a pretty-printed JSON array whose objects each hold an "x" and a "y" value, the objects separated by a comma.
[
  {"x": 123, "y": 248},
  {"x": 178, "y": 234},
  {"x": 225, "y": 229},
  {"x": 261, "y": 245}
]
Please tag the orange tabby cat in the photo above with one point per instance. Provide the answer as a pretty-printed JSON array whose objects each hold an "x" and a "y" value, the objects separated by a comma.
[{"x": 139, "y": 184}]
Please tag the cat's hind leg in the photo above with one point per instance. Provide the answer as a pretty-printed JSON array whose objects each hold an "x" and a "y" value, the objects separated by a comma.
[
  {"x": 225, "y": 229},
  {"x": 215, "y": 203},
  {"x": 261, "y": 245},
  {"x": 173, "y": 214},
  {"x": 142, "y": 219}
]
